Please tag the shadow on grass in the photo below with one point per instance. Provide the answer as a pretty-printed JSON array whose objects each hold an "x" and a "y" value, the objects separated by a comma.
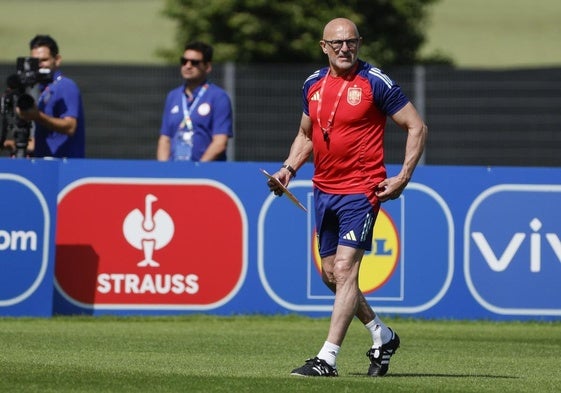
[{"x": 439, "y": 375}]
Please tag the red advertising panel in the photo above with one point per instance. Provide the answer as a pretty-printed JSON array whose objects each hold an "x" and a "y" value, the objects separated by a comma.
[{"x": 142, "y": 244}]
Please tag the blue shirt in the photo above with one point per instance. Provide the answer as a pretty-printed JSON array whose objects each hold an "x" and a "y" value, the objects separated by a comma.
[
  {"x": 211, "y": 115},
  {"x": 60, "y": 98}
]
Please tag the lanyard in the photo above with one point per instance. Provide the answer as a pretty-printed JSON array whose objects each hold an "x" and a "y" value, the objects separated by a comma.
[
  {"x": 187, "y": 112},
  {"x": 45, "y": 91},
  {"x": 327, "y": 130}
]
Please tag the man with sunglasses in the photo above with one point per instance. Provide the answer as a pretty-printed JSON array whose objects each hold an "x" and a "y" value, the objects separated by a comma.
[
  {"x": 197, "y": 117},
  {"x": 345, "y": 106}
]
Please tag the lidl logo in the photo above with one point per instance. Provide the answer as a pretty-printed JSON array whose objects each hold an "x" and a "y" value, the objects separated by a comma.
[
  {"x": 390, "y": 279},
  {"x": 150, "y": 244}
]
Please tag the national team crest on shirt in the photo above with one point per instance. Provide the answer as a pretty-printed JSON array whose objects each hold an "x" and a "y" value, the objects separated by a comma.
[{"x": 354, "y": 95}]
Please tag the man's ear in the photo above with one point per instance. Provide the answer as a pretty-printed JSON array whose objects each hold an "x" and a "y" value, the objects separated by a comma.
[
  {"x": 58, "y": 60},
  {"x": 208, "y": 67}
]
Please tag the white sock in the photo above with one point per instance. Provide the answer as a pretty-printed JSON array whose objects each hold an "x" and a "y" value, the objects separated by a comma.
[
  {"x": 379, "y": 331},
  {"x": 329, "y": 353}
]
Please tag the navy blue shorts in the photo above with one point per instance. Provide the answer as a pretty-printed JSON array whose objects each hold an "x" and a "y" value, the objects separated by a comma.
[{"x": 344, "y": 219}]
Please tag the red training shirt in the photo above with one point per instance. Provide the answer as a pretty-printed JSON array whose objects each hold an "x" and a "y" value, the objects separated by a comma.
[{"x": 350, "y": 158}]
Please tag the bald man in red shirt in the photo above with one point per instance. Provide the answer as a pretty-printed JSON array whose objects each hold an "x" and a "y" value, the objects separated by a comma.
[{"x": 345, "y": 107}]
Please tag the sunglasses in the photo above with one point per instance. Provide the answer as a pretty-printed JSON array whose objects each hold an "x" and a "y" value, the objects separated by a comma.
[{"x": 193, "y": 62}]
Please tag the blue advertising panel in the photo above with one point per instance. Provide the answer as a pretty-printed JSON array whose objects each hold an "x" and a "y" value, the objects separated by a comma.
[
  {"x": 156, "y": 238},
  {"x": 28, "y": 194},
  {"x": 388, "y": 273},
  {"x": 145, "y": 237},
  {"x": 512, "y": 243}
]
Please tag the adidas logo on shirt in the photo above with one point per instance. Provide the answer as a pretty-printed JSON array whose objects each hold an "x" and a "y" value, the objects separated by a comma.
[{"x": 315, "y": 96}]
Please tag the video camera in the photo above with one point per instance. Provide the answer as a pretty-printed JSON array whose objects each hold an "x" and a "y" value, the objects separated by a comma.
[{"x": 18, "y": 94}]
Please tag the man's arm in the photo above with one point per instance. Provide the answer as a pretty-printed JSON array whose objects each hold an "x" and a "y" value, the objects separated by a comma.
[
  {"x": 217, "y": 146},
  {"x": 164, "y": 148},
  {"x": 408, "y": 119},
  {"x": 300, "y": 150},
  {"x": 66, "y": 125}
]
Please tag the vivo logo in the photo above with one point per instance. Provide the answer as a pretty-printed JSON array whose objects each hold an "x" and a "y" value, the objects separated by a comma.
[
  {"x": 18, "y": 240},
  {"x": 501, "y": 263},
  {"x": 512, "y": 249}
]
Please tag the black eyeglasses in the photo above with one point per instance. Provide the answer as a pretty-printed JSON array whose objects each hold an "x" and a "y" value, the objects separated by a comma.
[
  {"x": 336, "y": 45},
  {"x": 193, "y": 62}
]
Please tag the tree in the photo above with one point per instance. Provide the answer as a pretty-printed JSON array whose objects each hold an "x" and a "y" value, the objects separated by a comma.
[{"x": 265, "y": 31}]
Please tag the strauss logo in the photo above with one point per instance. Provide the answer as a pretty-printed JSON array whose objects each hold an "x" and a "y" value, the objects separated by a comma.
[{"x": 148, "y": 231}]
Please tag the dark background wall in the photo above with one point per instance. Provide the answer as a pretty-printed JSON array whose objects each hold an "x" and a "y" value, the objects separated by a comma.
[{"x": 475, "y": 117}]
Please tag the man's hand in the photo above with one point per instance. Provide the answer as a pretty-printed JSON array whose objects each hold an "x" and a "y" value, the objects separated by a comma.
[
  {"x": 31, "y": 114},
  {"x": 390, "y": 188},
  {"x": 283, "y": 176}
]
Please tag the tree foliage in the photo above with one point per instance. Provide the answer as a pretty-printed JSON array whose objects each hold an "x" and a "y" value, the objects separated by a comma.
[{"x": 265, "y": 31}]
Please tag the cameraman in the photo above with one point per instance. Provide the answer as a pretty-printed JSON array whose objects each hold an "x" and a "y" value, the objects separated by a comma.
[{"x": 58, "y": 114}]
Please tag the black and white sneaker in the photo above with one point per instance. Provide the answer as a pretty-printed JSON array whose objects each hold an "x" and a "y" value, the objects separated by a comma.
[
  {"x": 380, "y": 357},
  {"x": 315, "y": 367}
]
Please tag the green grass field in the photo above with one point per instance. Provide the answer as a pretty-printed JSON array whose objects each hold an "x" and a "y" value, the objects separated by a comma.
[
  {"x": 256, "y": 353},
  {"x": 474, "y": 33}
]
